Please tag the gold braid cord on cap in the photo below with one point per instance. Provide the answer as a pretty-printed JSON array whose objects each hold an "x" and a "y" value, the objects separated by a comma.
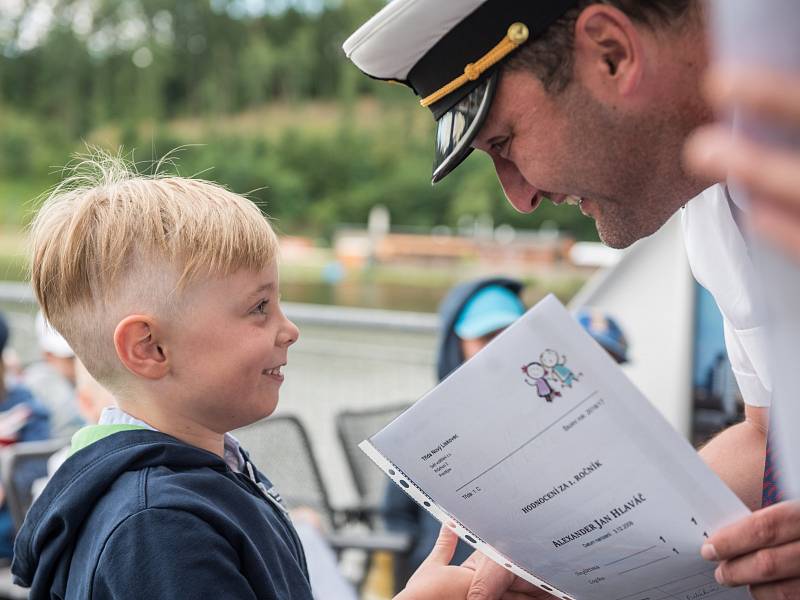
[{"x": 516, "y": 36}]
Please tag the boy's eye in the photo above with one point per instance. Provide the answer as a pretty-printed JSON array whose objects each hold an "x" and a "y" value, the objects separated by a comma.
[{"x": 261, "y": 307}]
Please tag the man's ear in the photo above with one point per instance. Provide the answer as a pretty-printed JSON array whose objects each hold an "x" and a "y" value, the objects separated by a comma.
[
  {"x": 138, "y": 347},
  {"x": 609, "y": 53}
]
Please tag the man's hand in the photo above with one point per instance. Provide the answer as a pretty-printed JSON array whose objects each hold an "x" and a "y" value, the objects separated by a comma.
[
  {"x": 770, "y": 175},
  {"x": 762, "y": 551},
  {"x": 493, "y": 582}
]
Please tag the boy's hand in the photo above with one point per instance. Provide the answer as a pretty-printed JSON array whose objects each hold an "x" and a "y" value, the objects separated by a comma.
[
  {"x": 494, "y": 582},
  {"x": 436, "y": 579},
  {"x": 479, "y": 578}
]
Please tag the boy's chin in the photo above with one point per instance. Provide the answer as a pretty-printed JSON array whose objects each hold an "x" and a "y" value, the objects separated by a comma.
[
  {"x": 268, "y": 407},
  {"x": 263, "y": 411}
]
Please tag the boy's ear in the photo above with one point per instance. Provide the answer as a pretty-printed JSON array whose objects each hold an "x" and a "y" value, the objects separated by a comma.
[{"x": 138, "y": 347}]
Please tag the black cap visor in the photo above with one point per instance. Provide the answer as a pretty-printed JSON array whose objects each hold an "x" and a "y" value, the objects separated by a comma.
[{"x": 458, "y": 127}]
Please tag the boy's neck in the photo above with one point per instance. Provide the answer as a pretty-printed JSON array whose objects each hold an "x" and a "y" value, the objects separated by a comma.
[{"x": 186, "y": 430}]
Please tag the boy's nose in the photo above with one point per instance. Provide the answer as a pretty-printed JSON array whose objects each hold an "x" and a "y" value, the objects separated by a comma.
[{"x": 290, "y": 333}]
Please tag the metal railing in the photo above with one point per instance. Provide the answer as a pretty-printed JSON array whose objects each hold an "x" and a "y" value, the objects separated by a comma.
[{"x": 347, "y": 359}]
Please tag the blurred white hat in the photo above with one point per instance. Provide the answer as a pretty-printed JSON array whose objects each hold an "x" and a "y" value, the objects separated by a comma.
[{"x": 50, "y": 340}]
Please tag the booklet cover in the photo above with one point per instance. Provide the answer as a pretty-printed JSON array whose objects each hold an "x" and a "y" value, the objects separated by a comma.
[{"x": 553, "y": 464}]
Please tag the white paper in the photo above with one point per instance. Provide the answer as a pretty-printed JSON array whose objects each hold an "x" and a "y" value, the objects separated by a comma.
[{"x": 585, "y": 491}]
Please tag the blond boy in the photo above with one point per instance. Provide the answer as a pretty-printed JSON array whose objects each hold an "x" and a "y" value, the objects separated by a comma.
[{"x": 167, "y": 290}]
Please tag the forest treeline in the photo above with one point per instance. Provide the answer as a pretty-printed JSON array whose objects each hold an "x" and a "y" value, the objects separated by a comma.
[{"x": 256, "y": 92}]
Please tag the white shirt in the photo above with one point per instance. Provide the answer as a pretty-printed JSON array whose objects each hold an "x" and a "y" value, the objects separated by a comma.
[{"x": 721, "y": 262}]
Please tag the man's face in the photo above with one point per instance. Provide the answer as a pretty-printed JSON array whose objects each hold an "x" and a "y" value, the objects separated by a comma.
[
  {"x": 610, "y": 155},
  {"x": 470, "y": 348}
]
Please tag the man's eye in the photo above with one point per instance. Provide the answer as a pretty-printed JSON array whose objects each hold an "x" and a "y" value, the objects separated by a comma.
[{"x": 499, "y": 145}]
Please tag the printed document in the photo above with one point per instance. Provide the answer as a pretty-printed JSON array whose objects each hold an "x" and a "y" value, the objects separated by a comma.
[{"x": 551, "y": 462}]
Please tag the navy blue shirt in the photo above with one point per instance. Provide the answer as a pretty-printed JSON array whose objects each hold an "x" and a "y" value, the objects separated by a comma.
[{"x": 140, "y": 514}]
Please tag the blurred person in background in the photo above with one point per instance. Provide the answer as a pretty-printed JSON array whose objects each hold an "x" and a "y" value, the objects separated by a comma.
[
  {"x": 22, "y": 419},
  {"x": 471, "y": 315},
  {"x": 605, "y": 330},
  {"x": 92, "y": 399},
  {"x": 327, "y": 581},
  {"x": 52, "y": 380}
]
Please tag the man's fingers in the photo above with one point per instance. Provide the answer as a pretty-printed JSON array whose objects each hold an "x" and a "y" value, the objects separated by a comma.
[
  {"x": 766, "y": 172},
  {"x": 783, "y": 230},
  {"x": 443, "y": 549},
  {"x": 776, "y": 591},
  {"x": 765, "y": 528},
  {"x": 763, "y": 566},
  {"x": 772, "y": 95},
  {"x": 490, "y": 581}
]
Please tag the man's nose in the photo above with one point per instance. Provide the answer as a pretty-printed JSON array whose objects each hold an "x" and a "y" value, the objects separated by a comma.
[{"x": 518, "y": 191}]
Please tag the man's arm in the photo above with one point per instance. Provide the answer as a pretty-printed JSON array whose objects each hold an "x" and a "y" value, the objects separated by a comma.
[{"x": 737, "y": 455}]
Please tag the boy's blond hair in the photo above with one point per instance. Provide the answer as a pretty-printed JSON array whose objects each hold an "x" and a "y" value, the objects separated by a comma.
[{"x": 109, "y": 242}]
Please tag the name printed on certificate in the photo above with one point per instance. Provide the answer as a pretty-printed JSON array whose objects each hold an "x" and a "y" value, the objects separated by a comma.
[{"x": 553, "y": 464}]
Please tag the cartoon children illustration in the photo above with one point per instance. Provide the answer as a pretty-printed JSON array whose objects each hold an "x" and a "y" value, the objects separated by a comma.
[
  {"x": 538, "y": 374},
  {"x": 557, "y": 364}
]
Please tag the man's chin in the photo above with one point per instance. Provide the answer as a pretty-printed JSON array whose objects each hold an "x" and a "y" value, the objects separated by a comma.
[
  {"x": 617, "y": 237},
  {"x": 619, "y": 228},
  {"x": 615, "y": 242}
]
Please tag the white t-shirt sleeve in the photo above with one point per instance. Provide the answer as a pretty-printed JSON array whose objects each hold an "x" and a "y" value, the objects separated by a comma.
[
  {"x": 720, "y": 261},
  {"x": 751, "y": 377}
]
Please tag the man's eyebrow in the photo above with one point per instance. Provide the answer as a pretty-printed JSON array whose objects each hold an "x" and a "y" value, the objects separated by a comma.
[
  {"x": 496, "y": 138},
  {"x": 487, "y": 144}
]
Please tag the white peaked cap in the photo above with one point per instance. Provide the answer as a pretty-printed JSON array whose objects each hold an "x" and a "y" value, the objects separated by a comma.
[
  {"x": 450, "y": 52},
  {"x": 396, "y": 38}
]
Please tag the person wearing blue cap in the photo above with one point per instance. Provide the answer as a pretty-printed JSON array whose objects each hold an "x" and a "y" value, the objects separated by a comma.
[
  {"x": 606, "y": 331},
  {"x": 470, "y": 316}
]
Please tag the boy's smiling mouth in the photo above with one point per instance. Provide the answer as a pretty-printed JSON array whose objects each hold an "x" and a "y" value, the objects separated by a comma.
[{"x": 276, "y": 372}]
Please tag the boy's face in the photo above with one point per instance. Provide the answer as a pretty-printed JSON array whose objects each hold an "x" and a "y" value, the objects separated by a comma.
[{"x": 228, "y": 348}]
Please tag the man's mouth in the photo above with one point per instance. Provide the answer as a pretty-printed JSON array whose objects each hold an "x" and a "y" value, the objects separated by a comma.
[{"x": 556, "y": 199}]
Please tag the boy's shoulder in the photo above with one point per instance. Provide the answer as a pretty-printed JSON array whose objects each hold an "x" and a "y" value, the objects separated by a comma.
[{"x": 150, "y": 511}]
